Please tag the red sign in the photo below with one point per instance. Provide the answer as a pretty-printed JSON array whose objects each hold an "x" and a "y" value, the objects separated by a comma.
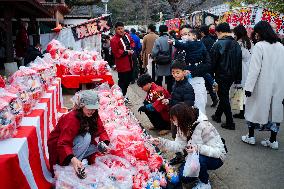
[{"x": 91, "y": 27}]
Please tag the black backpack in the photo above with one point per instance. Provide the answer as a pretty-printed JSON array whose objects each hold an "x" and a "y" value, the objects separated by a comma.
[{"x": 232, "y": 67}]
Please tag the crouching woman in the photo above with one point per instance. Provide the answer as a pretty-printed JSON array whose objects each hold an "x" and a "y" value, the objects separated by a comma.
[
  {"x": 74, "y": 137},
  {"x": 195, "y": 133}
]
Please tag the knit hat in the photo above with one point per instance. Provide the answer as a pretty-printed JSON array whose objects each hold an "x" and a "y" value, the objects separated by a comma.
[{"x": 86, "y": 98}]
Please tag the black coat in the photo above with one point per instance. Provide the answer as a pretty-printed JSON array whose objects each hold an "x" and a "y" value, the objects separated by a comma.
[
  {"x": 182, "y": 92},
  {"x": 226, "y": 59},
  {"x": 208, "y": 41},
  {"x": 195, "y": 52}
]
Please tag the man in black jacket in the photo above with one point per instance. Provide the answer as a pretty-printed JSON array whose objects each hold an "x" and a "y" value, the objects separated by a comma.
[
  {"x": 226, "y": 57},
  {"x": 206, "y": 38},
  {"x": 209, "y": 41}
]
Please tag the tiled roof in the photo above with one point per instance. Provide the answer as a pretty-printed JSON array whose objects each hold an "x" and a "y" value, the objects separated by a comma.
[{"x": 85, "y": 11}]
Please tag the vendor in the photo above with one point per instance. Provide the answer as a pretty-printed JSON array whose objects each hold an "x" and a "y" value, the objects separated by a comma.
[{"x": 74, "y": 137}]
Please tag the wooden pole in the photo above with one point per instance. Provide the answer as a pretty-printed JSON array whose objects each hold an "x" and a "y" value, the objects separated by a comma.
[
  {"x": 8, "y": 15},
  {"x": 35, "y": 31}
]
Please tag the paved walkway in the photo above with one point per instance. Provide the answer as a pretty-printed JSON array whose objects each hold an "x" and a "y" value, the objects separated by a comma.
[{"x": 246, "y": 167}]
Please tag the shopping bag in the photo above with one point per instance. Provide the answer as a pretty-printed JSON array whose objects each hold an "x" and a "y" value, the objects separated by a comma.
[
  {"x": 192, "y": 165},
  {"x": 237, "y": 98},
  {"x": 149, "y": 66}
]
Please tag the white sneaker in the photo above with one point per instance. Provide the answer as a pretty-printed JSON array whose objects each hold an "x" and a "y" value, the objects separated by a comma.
[
  {"x": 267, "y": 143},
  {"x": 201, "y": 185},
  {"x": 247, "y": 139}
]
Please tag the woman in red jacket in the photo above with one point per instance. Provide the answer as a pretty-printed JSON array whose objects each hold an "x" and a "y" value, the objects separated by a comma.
[{"x": 74, "y": 137}]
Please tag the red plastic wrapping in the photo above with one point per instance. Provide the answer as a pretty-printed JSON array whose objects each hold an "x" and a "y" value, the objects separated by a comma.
[{"x": 2, "y": 82}]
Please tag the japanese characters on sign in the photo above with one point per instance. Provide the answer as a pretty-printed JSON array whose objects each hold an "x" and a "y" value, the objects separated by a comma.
[
  {"x": 275, "y": 18},
  {"x": 173, "y": 24},
  {"x": 91, "y": 27},
  {"x": 251, "y": 15}
]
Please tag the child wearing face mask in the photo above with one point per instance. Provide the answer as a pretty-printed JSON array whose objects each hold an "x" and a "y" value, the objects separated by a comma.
[{"x": 198, "y": 63}]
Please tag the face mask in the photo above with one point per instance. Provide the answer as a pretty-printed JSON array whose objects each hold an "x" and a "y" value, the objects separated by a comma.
[
  {"x": 184, "y": 38},
  {"x": 212, "y": 31}
]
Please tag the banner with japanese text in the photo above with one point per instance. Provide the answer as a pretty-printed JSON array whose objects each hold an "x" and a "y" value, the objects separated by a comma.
[
  {"x": 249, "y": 16},
  {"x": 91, "y": 27},
  {"x": 173, "y": 24}
]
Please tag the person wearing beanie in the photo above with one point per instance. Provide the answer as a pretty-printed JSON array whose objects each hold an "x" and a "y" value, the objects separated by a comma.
[{"x": 73, "y": 138}]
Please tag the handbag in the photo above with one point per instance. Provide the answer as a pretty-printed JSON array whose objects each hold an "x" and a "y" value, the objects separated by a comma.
[{"x": 237, "y": 98}]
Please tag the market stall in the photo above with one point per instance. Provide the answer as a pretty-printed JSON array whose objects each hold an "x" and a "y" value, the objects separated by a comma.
[
  {"x": 78, "y": 67},
  {"x": 30, "y": 104},
  {"x": 24, "y": 156},
  {"x": 131, "y": 162}
]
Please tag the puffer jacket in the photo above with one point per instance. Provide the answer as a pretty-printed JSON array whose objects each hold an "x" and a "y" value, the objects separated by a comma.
[
  {"x": 226, "y": 59},
  {"x": 182, "y": 92},
  {"x": 196, "y": 57},
  {"x": 205, "y": 137}
]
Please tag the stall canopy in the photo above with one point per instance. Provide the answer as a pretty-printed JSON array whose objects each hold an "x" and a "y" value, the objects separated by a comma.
[
  {"x": 17, "y": 9},
  {"x": 24, "y": 8}
]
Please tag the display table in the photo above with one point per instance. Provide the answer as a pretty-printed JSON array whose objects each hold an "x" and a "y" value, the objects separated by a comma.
[
  {"x": 24, "y": 158},
  {"x": 74, "y": 81}
]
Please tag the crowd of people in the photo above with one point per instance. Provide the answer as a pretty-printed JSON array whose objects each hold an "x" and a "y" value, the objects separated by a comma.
[{"x": 196, "y": 61}]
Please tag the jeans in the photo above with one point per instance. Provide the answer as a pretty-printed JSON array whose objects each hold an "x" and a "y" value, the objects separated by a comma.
[
  {"x": 224, "y": 104},
  {"x": 82, "y": 146},
  {"x": 209, "y": 86},
  {"x": 124, "y": 79},
  {"x": 157, "y": 120},
  {"x": 270, "y": 126},
  {"x": 207, "y": 77},
  {"x": 206, "y": 163}
]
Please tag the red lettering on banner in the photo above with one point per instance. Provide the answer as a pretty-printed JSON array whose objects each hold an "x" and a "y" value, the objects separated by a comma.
[
  {"x": 245, "y": 17},
  {"x": 229, "y": 18},
  {"x": 242, "y": 17},
  {"x": 92, "y": 28},
  {"x": 173, "y": 24},
  {"x": 266, "y": 15},
  {"x": 103, "y": 25},
  {"x": 235, "y": 20},
  {"x": 279, "y": 24},
  {"x": 89, "y": 28},
  {"x": 82, "y": 32},
  {"x": 248, "y": 17}
]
